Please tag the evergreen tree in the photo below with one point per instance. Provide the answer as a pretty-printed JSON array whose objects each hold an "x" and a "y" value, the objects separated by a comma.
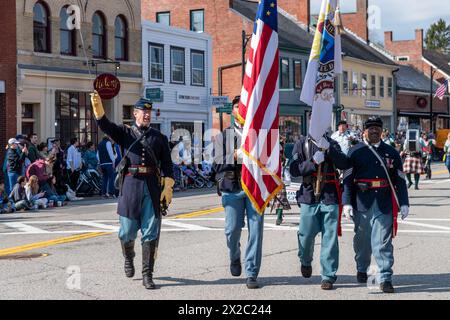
[{"x": 438, "y": 36}]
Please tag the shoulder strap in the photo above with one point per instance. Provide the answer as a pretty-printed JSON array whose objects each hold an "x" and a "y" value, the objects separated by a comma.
[
  {"x": 139, "y": 138},
  {"x": 386, "y": 171}
]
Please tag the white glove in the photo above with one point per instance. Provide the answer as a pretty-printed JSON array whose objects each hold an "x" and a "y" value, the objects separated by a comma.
[
  {"x": 319, "y": 157},
  {"x": 323, "y": 144},
  {"x": 347, "y": 211},
  {"x": 404, "y": 211}
]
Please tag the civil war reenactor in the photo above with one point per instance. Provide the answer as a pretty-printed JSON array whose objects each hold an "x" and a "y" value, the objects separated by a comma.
[
  {"x": 141, "y": 200},
  {"x": 319, "y": 198},
  {"x": 374, "y": 188},
  {"x": 227, "y": 169}
]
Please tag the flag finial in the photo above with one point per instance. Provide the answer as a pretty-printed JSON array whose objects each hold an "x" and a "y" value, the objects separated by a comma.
[{"x": 338, "y": 21}]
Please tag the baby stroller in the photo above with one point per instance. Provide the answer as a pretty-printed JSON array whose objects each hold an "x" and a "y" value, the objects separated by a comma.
[
  {"x": 192, "y": 177},
  {"x": 89, "y": 183}
]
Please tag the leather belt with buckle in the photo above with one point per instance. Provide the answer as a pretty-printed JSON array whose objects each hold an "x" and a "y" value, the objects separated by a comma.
[{"x": 140, "y": 170}]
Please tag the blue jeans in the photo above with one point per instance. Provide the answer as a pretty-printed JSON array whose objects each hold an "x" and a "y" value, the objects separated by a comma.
[
  {"x": 12, "y": 177},
  {"x": 373, "y": 234},
  {"x": 108, "y": 179},
  {"x": 149, "y": 223},
  {"x": 447, "y": 162},
  {"x": 237, "y": 205},
  {"x": 321, "y": 218},
  {"x": 7, "y": 186}
]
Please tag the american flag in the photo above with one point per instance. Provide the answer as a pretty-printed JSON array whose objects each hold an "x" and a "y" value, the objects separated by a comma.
[
  {"x": 258, "y": 110},
  {"x": 442, "y": 90}
]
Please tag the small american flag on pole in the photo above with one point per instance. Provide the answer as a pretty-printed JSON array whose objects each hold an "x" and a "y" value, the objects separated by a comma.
[
  {"x": 258, "y": 111},
  {"x": 442, "y": 90}
]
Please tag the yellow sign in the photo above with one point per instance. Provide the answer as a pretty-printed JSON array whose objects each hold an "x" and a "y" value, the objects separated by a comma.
[{"x": 441, "y": 137}]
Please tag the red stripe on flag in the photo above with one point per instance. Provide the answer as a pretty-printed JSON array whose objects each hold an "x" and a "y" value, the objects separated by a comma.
[
  {"x": 250, "y": 82},
  {"x": 268, "y": 92}
]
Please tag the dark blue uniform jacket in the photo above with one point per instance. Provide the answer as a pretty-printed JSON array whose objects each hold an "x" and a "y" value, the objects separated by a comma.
[
  {"x": 304, "y": 166},
  {"x": 365, "y": 165},
  {"x": 130, "y": 201}
]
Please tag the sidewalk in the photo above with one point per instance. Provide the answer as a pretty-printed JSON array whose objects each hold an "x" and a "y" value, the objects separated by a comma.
[{"x": 176, "y": 194}]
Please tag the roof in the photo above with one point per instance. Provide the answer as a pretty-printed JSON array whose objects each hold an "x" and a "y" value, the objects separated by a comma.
[
  {"x": 293, "y": 35},
  {"x": 409, "y": 78},
  {"x": 439, "y": 59}
]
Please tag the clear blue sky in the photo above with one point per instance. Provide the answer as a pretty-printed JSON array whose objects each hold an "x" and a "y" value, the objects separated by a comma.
[{"x": 400, "y": 16}]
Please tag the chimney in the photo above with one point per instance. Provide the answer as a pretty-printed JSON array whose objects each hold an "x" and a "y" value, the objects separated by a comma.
[
  {"x": 300, "y": 9},
  {"x": 407, "y": 52},
  {"x": 357, "y": 21}
]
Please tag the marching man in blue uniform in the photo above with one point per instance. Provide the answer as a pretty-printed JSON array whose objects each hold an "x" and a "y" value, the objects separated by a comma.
[
  {"x": 141, "y": 200},
  {"x": 319, "y": 211},
  {"x": 374, "y": 191}
]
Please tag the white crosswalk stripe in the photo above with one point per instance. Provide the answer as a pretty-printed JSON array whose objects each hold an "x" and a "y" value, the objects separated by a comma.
[{"x": 290, "y": 223}]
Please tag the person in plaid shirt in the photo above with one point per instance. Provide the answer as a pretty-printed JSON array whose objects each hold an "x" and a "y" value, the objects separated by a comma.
[{"x": 412, "y": 165}]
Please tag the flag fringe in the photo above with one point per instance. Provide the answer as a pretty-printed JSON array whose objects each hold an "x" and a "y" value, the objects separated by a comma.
[{"x": 260, "y": 210}]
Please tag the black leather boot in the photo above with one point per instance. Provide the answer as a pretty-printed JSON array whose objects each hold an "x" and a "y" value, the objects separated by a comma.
[
  {"x": 148, "y": 263},
  {"x": 128, "y": 254}
]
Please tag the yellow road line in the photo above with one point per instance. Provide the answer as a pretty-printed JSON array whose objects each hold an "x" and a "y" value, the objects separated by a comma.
[
  {"x": 43, "y": 244},
  {"x": 440, "y": 172},
  {"x": 199, "y": 213}
]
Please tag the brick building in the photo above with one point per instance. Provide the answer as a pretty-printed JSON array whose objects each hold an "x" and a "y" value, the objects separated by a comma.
[
  {"x": 53, "y": 81},
  {"x": 413, "y": 101},
  {"x": 8, "y": 62}
]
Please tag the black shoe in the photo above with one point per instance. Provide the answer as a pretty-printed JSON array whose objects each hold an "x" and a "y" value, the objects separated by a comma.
[
  {"x": 306, "y": 271},
  {"x": 361, "y": 277},
  {"x": 387, "y": 287},
  {"x": 236, "y": 268},
  {"x": 252, "y": 283},
  {"x": 410, "y": 184},
  {"x": 128, "y": 254},
  {"x": 326, "y": 285},
  {"x": 148, "y": 263}
]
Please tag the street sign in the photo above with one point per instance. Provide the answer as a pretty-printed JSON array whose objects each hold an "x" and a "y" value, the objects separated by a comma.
[
  {"x": 154, "y": 94},
  {"x": 225, "y": 109},
  {"x": 219, "y": 100}
]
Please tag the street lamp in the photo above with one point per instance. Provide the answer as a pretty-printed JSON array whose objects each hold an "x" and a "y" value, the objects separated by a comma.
[{"x": 433, "y": 72}]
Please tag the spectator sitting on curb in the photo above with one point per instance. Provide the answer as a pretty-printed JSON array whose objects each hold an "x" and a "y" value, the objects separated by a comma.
[
  {"x": 41, "y": 169},
  {"x": 5, "y": 205},
  {"x": 52, "y": 195},
  {"x": 33, "y": 195},
  {"x": 18, "y": 196}
]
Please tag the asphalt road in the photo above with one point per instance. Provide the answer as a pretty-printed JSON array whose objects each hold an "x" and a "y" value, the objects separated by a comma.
[{"x": 74, "y": 253}]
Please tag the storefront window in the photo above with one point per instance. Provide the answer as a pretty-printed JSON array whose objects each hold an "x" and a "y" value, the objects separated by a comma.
[
  {"x": 290, "y": 128},
  {"x": 74, "y": 117}
]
